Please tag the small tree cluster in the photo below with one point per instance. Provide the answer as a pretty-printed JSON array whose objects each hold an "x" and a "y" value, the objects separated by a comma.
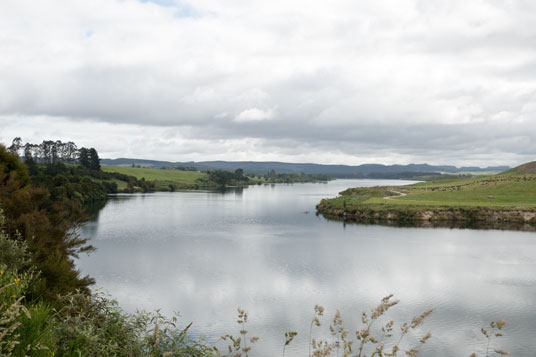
[
  {"x": 48, "y": 152},
  {"x": 54, "y": 152},
  {"x": 223, "y": 178},
  {"x": 89, "y": 158}
]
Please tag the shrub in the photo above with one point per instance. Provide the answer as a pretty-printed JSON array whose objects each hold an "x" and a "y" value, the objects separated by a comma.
[
  {"x": 36, "y": 329},
  {"x": 21, "y": 333},
  {"x": 93, "y": 326},
  {"x": 96, "y": 326}
]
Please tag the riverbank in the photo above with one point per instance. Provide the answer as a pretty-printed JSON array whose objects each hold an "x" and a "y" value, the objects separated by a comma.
[
  {"x": 509, "y": 197},
  {"x": 180, "y": 180},
  {"x": 164, "y": 180}
]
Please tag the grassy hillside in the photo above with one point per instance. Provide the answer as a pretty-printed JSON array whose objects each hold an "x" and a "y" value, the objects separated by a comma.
[
  {"x": 528, "y": 168},
  {"x": 512, "y": 190},
  {"x": 181, "y": 180},
  {"x": 509, "y": 196}
]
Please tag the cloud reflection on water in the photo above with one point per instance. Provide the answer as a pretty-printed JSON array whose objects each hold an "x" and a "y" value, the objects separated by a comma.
[{"x": 206, "y": 254}]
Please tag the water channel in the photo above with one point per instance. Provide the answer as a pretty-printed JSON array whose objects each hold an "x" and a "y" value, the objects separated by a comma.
[{"x": 263, "y": 248}]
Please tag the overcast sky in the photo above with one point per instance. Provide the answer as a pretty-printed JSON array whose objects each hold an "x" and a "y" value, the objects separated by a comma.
[{"x": 342, "y": 81}]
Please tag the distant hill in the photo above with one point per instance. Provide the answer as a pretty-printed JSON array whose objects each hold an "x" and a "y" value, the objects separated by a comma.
[
  {"x": 528, "y": 168},
  {"x": 338, "y": 171}
]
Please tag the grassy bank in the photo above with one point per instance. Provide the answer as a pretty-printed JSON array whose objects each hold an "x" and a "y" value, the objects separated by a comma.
[
  {"x": 166, "y": 180},
  {"x": 510, "y": 196},
  {"x": 180, "y": 180}
]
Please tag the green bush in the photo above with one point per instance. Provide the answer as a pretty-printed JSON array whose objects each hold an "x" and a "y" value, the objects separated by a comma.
[
  {"x": 13, "y": 253},
  {"x": 36, "y": 329},
  {"x": 96, "y": 326},
  {"x": 22, "y": 333}
]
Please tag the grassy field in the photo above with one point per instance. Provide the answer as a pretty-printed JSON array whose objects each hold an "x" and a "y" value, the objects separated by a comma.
[
  {"x": 491, "y": 191},
  {"x": 513, "y": 189},
  {"x": 162, "y": 178}
]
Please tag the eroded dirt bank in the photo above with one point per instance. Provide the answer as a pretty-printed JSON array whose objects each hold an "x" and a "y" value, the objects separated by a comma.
[{"x": 433, "y": 215}]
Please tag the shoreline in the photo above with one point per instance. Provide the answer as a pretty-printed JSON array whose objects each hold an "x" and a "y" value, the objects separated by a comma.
[
  {"x": 480, "y": 225},
  {"x": 433, "y": 214},
  {"x": 504, "y": 199}
]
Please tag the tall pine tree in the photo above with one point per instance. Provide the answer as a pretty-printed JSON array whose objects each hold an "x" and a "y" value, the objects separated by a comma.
[
  {"x": 83, "y": 157},
  {"x": 94, "y": 161}
]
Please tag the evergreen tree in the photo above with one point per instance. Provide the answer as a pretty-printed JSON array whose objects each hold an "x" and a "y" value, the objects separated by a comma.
[
  {"x": 83, "y": 157},
  {"x": 29, "y": 160},
  {"x": 94, "y": 161},
  {"x": 16, "y": 145}
]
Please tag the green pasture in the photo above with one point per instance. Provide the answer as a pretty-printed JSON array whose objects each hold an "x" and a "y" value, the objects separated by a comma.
[
  {"x": 162, "y": 178},
  {"x": 503, "y": 190}
]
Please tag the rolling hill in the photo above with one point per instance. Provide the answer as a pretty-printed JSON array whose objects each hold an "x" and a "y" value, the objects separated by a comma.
[
  {"x": 528, "y": 168},
  {"x": 337, "y": 171}
]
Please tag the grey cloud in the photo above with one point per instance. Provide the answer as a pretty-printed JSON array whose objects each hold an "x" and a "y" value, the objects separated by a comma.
[
  {"x": 425, "y": 80},
  {"x": 426, "y": 141}
]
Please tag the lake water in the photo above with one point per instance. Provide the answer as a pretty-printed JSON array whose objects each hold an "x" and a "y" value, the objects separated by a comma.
[{"x": 265, "y": 250}]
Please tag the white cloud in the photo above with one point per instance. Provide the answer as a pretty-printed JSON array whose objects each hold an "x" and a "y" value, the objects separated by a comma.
[{"x": 254, "y": 114}]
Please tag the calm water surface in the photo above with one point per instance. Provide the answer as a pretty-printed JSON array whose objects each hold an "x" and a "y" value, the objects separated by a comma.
[{"x": 264, "y": 249}]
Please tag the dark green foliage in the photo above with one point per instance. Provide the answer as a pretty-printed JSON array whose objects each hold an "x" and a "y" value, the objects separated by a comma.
[
  {"x": 33, "y": 170},
  {"x": 238, "y": 178},
  {"x": 89, "y": 158},
  {"x": 227, "y": 178},
  {"x": 110, "y": 186},
  {"x": 14, "y": 252},
  {"x": 13, "y": 285},
  {"x": 36, "y": 329},
  {"x": 273, "y": 177},
  {"x": 48, "y": 226},
  {"x": 11, "y": 169},
  {"x": 72, "y": 183},
  {"x": 184, "y": 168},
  {"x": 83, "y": 184},
  {"x": 179, "y": 168},
  {"x": 83, "y": 158},
  {"x": 15, "y": 145},
  {"x": 221, "y": 178},
  {"x": 94, "y": 161}
]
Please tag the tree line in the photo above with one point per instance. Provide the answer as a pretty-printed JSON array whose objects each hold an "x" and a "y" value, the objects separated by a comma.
[{"x": 54, "y": 152}]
